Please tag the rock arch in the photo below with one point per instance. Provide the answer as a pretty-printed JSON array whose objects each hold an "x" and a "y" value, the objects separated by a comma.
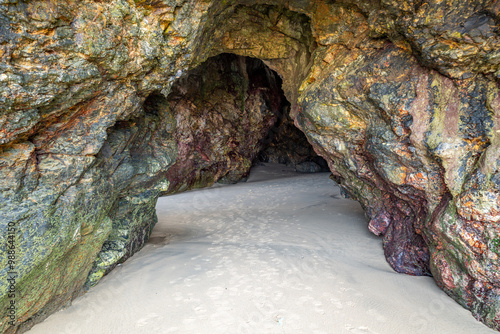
[{"x": 400, "y": 97}]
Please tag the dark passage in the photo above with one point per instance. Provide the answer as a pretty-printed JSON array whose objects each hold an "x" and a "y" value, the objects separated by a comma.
[{"x": 231, "y": 113}]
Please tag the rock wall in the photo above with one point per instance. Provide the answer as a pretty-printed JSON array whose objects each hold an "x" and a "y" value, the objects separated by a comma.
[
  {"x": 408, "y": 114},
  {"x": 224, "y": 109},
  {"x": 99, "y": 117},
  {"x": 286, "y": 144}
]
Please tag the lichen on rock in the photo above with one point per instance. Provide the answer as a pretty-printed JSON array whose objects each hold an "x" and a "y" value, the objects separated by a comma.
[{"x": 107, "y": 106}]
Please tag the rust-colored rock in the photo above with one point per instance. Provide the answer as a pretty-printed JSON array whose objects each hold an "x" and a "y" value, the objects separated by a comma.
[
  {"x": 99, "y": 116},
  {"x": 223, "y": 109}
]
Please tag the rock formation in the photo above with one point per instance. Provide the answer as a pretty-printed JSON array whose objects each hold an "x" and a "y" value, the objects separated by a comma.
[
  {"x": 286, "y": 144},
  {"x": 104, "y": 107}
]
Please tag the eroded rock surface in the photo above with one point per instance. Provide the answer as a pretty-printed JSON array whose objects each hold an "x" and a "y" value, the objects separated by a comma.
[
  {"x": 286, "y": 144},
  {"x": 224, "y": 109},
  {"x": 99, "y": 116}
]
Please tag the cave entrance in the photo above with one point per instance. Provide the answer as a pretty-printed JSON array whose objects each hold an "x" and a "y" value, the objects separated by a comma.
[{"x": 231, "y": 113}]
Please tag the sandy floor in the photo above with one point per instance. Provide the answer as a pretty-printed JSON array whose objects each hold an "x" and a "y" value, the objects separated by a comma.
[{"x": 281, "y": 253}]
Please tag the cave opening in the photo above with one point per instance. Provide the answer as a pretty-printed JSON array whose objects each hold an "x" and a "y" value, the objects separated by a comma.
[
  {"x": 256, "y": 254},
  {"x": 406, "y": 122},
  {"x": 230, "y": 114},
  {"x": 220, "y": 119}
]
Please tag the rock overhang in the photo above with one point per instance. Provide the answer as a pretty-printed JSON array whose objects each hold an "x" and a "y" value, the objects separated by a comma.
[{"x": 400, "y": 98}]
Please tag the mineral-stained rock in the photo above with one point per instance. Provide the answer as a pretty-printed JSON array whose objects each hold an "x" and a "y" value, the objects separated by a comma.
[
  {"x": 224, "y": 109},
  {"x": 411, "y": 145},
  {"x": 286, "y": 144},
  {"x": 104, "y": 107}
]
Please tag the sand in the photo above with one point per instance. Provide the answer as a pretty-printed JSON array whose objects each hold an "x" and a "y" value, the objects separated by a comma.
[{"x": 281, "y": 253}]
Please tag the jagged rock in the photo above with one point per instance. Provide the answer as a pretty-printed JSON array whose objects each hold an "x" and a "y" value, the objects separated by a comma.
[
  {"x": 104, "y": 108},
  {"x": 286, "y": 144},
  {"x": 224, "y": 109}
]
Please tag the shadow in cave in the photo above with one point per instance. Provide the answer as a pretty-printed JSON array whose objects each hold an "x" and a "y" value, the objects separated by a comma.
[
  {"x": 268, "y": 257},
  {"x": 230, "y": 113}
]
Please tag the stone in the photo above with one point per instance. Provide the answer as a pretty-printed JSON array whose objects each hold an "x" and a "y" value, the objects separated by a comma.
[
  {"x": 223, "y": 109},
  {"x": 105, "y": 107},
  {"x": 286, "y": 144}
]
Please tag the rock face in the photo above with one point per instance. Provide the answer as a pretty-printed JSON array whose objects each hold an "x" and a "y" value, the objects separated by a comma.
[
  {"x": 104, "y": 108},
  {"x": 286, "y": 144},
  {"x": 224, "y": 109}
]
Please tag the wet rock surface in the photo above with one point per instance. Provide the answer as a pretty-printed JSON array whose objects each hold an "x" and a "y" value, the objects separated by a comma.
[{"x": 104, "y": 107}]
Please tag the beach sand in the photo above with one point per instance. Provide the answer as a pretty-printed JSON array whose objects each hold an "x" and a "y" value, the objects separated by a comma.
[{"x": 280, "y": 253}]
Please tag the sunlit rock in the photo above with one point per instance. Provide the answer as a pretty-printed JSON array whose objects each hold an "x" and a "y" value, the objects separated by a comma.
[{"x": 107, "y": 106}]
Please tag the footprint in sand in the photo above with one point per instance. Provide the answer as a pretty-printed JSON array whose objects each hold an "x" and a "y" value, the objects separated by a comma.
[
  {"x": 146, "y": 320},
  {"x": 359, "y": 330},
  {"x": 215, "y": 292},
  {"x": 337, "y": 303},
  {"x": 377, "y": 315}
]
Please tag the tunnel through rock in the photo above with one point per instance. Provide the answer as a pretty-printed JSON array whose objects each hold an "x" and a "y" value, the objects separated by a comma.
[
  {"x": 231, "y": 112},
  {"x": 402, "y": 101},
  {"x": 221, "y": 118}
]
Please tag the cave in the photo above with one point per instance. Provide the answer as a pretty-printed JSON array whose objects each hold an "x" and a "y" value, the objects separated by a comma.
[
  {"x": 239, "y": 93},
  {"x": 107, "y": 107},
  {"x": 225, "y": 116}
]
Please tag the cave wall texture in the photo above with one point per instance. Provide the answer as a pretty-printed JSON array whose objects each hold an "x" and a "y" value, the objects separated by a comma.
[{"x": 104, "y": 108}]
